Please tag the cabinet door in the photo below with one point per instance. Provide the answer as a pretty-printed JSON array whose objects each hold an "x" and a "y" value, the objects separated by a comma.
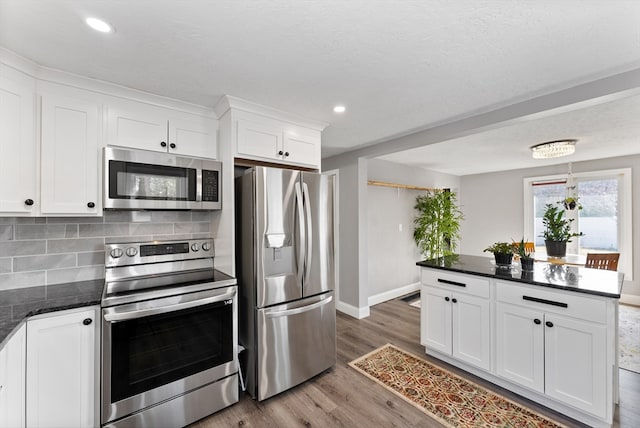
[
  {"x": 435, "y": 319},
  {"x": 62, "y": 370},
  {"x": 575, "y": 363},
  {"x": 471, "y": 330},
  {"x": 197, "y": 137},
  {"x": 520, "y": 345},
  {"x": 70, "y": 156},
  {"x": 259, "y": 140},
  {"x": 137, "y": 126},
  {"x": 302, "y": 149},
  {"x": 12, "y": 383},
  {"x": 18, "y": 161}
]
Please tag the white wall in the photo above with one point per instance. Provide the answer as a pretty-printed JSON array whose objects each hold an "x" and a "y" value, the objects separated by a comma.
[{"x": 493, "y": 205}]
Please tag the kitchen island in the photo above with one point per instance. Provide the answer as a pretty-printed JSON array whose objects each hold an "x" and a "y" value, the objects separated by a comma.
[{"x": 549, "y": 335}]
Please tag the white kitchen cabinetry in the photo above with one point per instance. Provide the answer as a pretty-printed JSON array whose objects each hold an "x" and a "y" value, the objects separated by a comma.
[
  {"x": 147, "y": 127},
  {"x": 62, "y": 369},
  {"x": 262, "y": 138},
  {"x": 553, "y": 343},
  {"x": 12, "y": 381},
  {"x": 70, "y": 165},
  {"x": 455, "y": 317},
  {"x": 18, "y": 154}
]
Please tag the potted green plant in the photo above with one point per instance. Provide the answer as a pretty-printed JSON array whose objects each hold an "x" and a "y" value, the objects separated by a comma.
[
  {"x": 437, "y": 225},
  {"x": 502, "y": 251},
  {"x": 526, "y": 259},
  {"x": 557, "y": 230}
]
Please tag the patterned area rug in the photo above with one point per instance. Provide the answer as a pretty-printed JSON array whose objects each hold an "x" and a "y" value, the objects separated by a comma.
[
  {"x": 446, "y": 397},
  {"x": 629, "y": 333}
]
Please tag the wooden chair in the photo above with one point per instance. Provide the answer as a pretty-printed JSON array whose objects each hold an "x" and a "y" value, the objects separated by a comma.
[{"x": 607, "y": 261}]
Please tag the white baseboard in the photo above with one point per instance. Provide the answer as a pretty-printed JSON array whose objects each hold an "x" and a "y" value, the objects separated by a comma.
[
  {"x": 392, "y": 294},
  {"x": 630, "y": 299},
  {"x": 352, "y": 311}
]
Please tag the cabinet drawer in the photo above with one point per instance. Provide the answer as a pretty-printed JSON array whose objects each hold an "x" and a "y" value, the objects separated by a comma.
[
  {"x": 458, "y": 282},
  {"x": 566, "y": 303}
]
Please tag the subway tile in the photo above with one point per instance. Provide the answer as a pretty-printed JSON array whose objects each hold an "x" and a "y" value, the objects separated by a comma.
[
  {"x": 21, "y": 220},
  {"x": 202, "y": 216},
  {"x": 91, "y": 258},
  {"x": 178, "y": 237},
  {"x": 51, "y": 261},
  {"x": 151, "y": 228},
  {"x": 126, "y": 239},
  {"x": 39, "y": 231},
  {"x": 86, "y": 273},
  {"x": 5, "y": 265},
  {"x": 111, "y": 229},
  {"x": 22, "y": 248},
  {"x": 202, "y": 236},
  {"x": 10, "y": 281},
  {"x": 59, "y": 220},
  {"x": 6, "y": 232},
  {"x": 170, "y": 216},
  {"x": 127, "y": 216},
  {"x": 70, "y": 230},
  {"x": 74, "y": 245},
  {"x": 191, "y": 227}
]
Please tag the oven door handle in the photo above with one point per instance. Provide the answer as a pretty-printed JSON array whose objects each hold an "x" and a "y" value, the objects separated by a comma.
[{"x": 122, "y": 313}]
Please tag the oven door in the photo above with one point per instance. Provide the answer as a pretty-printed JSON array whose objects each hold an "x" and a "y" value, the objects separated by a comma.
[
  {"x": 146, "y": 180},
  {"x": 158, "y": 349}
]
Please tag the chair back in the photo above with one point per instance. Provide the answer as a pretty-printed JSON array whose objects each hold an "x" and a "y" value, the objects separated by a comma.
[
  {"x": 607, "y": 261},
  {"x": 529, "y": 247}
]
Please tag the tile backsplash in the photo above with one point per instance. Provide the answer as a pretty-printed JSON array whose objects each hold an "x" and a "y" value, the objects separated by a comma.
[{"x": 54, "y": 250}]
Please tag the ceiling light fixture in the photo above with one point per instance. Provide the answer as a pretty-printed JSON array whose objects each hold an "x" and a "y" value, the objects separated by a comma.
[
  {"x": 99, "y": 25},
  {"x": 553, "y": 149},
  {"x": 339, "y": 109}
]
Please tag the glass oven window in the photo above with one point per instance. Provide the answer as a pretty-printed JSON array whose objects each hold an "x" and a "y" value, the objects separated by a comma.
[
  {"x": 153, "y": 351},
  {"x": 128, "y": 180}
]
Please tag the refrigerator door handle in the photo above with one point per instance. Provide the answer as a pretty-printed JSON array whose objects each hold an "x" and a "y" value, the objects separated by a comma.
[
  {"x": 303, "y": 235},
  {"x": 300, "y": 310},
  {"x": 309, "y": 251}
]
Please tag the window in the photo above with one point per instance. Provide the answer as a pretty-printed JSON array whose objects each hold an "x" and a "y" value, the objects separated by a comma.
[{"x": 605, "y": 217}]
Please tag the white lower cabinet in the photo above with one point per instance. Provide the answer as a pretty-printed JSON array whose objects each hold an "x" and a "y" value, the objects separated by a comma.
[
  {"x": 62, "y": 369},
  {"x": 12, "y": 388}
]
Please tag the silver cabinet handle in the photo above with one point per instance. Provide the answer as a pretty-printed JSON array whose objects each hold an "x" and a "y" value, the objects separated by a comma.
[{"x": 300, "y": 310}]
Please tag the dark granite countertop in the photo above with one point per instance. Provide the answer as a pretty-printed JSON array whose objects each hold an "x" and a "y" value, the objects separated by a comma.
[
  {"x": 18, "y": 304},
  {"x": 564, "y": 277}
]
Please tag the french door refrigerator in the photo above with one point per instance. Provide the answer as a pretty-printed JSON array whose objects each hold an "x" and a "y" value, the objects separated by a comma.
[{"x": 285, "y": 257}]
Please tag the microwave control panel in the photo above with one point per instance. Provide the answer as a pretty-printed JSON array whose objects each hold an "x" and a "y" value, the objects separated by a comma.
[{"x": 210, "y": 186}]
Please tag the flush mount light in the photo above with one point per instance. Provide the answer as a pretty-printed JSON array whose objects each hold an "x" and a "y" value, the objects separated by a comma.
[
  {"x": 99, "y": 25},
  {"x": 339, "y": 109},
  {"x": 553, "y": 149}
]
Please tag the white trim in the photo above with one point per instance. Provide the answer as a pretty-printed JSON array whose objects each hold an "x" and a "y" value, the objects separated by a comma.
[
  {"x": 630, "y": 299},
  {"x": 352, "y": 311},
  {"x": 392, "y": 294}
]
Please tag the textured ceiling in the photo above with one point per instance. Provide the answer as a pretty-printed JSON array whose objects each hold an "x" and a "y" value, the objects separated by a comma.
[{"x": 397, "y": 65}]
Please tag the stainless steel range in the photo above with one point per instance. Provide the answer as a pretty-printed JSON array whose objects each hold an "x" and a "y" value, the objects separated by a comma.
[{"x": 169, "y": 334}]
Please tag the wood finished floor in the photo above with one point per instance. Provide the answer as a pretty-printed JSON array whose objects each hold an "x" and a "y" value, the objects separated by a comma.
[{"x": 341, "y": 397}]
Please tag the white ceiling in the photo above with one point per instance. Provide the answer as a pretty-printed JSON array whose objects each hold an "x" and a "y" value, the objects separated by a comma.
[{"x": 398, "y": 66}]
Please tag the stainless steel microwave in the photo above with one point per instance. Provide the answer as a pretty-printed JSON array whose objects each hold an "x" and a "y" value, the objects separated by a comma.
[{"x": 139, "y": 179}]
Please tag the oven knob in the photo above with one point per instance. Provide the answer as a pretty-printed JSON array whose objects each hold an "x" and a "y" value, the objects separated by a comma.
[
  {"x": 206, "y": 246},
  {"x": 132, "y": 251},
  {"x": 116, "y": 253},
  {"x": 195, "y": 247}
]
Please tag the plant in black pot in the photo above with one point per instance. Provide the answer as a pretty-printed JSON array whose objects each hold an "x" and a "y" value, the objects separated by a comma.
[
  {"x": 503, "y": 253},
  {"x": 526, "y": 259},
  {"x": 557, "y": 230}
]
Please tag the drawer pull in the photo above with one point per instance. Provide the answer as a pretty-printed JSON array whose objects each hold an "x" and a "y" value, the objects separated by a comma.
[
  {"x": 545, "y": 301},
  {"x": 457, "y": 284}
]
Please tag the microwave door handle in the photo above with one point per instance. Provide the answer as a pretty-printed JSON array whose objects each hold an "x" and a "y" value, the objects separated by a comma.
[
  {"x": 116, "y": 314},
  {"x": 301, "y": 226},
  {"x": 309, "y": 252}
]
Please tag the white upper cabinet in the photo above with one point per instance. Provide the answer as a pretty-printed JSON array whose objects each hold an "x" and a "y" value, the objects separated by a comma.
[
  {"x": 18, "y": 155},
  {"x": 70, "y": 156},
  {"x": 143, "y": 126}
]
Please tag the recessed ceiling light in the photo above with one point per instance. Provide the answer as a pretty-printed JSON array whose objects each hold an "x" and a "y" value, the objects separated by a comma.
[
  {"x": 99, "y": 25},
  {"x": 339, "y": 109}
]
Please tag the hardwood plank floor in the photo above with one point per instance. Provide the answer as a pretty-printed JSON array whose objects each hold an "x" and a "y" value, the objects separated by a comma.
[{"x": 341, "y": 397}]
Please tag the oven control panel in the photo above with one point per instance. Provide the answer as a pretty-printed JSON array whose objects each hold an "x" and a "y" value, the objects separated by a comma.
[{"x": 157, "y": 251}]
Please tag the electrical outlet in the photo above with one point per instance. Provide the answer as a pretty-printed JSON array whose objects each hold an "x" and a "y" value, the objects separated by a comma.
[{"x": 400, "y": 227}]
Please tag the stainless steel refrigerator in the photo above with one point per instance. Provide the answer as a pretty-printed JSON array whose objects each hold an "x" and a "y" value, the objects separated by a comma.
[{"x": 286, "y": 277}]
